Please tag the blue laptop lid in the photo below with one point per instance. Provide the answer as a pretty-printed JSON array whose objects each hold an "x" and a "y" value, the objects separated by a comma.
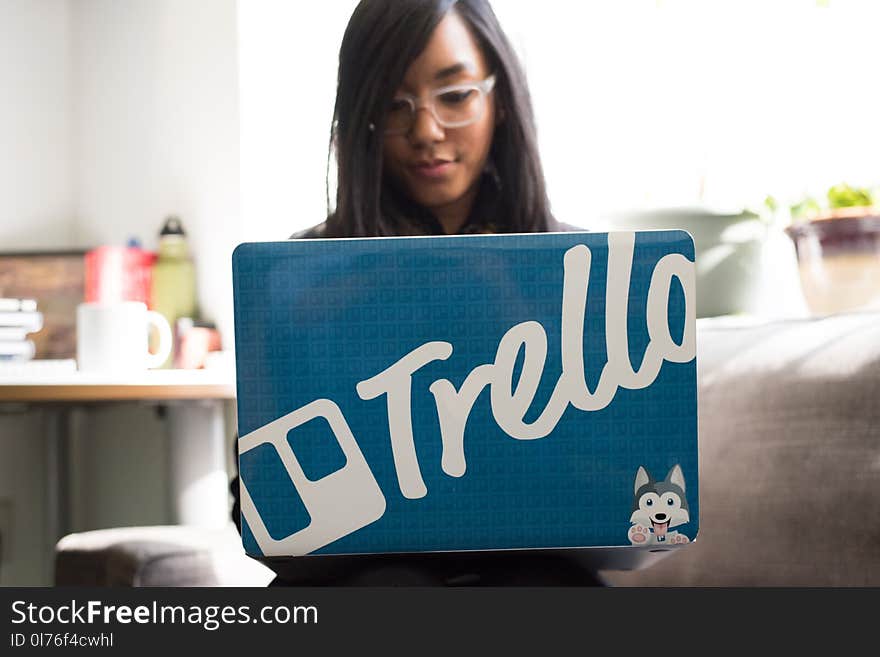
[{"x": 470, "y": 392}]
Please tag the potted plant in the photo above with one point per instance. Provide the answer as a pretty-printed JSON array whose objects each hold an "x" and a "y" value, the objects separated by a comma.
[{"x": 837, "y": 240}]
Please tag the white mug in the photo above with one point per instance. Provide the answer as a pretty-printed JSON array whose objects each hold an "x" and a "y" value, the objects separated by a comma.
[{"x": 113, "y": 337}]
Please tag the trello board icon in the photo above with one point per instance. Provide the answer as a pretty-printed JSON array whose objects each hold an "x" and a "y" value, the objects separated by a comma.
[{"x": 477, "y": 392}]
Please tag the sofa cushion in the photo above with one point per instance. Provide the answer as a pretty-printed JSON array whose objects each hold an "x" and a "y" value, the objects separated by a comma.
[
  {"x": 157, "y": 556},
  {"x": 789, "y": 450}
]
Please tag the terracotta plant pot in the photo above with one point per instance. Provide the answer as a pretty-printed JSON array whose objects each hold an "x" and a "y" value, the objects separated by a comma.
[{"x": 839, "y": 260}]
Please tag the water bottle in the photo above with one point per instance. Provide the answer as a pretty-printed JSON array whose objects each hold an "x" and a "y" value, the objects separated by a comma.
[{"x": 173, "y": 290}]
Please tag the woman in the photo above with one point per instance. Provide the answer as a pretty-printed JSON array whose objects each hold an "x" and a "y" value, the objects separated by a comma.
[
  {"x": 415, "y": 157},
  {"x": 433, "y": 134}
]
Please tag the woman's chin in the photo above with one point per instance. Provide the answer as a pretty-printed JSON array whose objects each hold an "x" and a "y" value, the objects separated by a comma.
[{"x": 435, "y": 198}]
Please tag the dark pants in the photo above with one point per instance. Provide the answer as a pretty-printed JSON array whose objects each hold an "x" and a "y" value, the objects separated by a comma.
[{"x": 515, "y": 568}]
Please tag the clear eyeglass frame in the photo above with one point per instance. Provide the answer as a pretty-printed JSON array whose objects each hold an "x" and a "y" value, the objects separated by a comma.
[{"x": 483, "y": 87}]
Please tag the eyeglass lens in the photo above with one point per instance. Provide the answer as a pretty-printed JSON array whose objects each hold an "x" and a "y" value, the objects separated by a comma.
[{"x": 452, "y": 108}]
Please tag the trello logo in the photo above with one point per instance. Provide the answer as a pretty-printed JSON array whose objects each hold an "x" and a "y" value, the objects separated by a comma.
[{"x": 338, "y": 503}]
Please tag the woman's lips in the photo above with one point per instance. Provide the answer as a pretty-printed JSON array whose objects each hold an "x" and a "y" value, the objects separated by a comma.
[{"x": 434, "y": 170}]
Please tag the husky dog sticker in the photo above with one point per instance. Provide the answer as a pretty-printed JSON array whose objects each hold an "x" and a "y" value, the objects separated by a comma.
[{"x": 658, "y": 506}]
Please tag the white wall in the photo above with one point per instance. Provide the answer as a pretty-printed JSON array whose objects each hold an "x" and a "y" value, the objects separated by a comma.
[
  {"x": 115, "y": 114},
  {"x": 680, "y": 102},
  {"x": 288, "y": 60},
  {"x": 157, "y": 131},
  {"x": 36, "y": 191}
]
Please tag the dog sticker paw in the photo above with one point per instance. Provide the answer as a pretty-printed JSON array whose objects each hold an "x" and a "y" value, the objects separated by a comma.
[{"x": 639, "y": 535}]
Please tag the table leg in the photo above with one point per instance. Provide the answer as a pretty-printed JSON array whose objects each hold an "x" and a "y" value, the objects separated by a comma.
[
  {"x": 197, "y": 461},
  {"x": 56, "y": 419}
]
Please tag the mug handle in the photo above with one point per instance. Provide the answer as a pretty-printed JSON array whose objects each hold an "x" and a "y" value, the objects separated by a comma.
[{"x": 164, "y": 350}]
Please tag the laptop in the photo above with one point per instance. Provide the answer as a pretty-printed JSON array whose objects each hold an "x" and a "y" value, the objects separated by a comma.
[{"x": 474, "y": 393}]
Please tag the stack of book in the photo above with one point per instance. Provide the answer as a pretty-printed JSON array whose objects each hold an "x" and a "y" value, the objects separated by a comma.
[{"x": 18, "y": 318}]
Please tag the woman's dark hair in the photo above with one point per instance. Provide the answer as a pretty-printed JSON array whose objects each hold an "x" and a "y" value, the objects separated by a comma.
[{"x": 382, "y": 38}]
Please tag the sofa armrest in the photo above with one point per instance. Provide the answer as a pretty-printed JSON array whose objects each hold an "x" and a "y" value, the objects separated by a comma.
[{"x": 157, "y": 556}]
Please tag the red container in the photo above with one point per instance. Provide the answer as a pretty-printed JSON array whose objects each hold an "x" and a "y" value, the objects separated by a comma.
[{"x": 118, "y": 273}]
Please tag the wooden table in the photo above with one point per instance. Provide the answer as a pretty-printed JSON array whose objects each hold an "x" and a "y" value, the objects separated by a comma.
[
  {"x": 194, "y": 400},
  {"x": 157, "y": 385}
]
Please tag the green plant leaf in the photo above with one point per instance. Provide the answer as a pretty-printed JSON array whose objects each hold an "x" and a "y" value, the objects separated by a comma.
[
  {"x": 806, "y": 209},
  {"x": 845, "y": 196}
]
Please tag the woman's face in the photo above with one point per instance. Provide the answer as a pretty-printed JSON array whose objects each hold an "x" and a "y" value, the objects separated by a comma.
[{"x": 440, "y": 168}]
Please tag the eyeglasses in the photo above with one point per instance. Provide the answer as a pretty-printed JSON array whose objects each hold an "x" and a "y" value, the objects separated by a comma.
[{"x": 454, "y": 106}]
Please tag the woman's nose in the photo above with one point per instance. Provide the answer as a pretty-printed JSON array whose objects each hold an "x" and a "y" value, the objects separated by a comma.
[{"x": 425, "y": 129}]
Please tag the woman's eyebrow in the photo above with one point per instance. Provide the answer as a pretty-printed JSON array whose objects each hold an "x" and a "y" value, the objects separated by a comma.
[{"x": 455, "y": 69}]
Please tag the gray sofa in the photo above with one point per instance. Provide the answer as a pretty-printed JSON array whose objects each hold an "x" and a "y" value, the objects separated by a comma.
[{"x": 789, "y": 435}]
